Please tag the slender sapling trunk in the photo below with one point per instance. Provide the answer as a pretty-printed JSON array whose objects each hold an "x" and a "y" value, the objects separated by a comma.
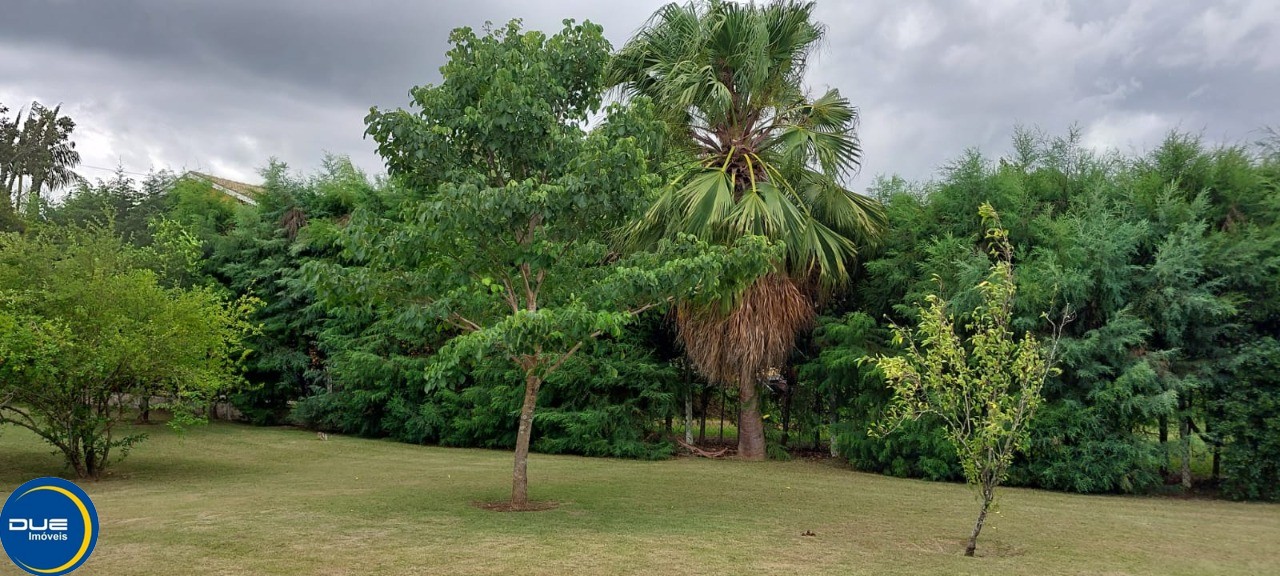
[{"x": 987, "y": 496}]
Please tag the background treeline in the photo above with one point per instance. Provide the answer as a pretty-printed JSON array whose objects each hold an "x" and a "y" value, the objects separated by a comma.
[
  {"x": 335, "y": 360},
  {"x": 1171, "y": 261}
]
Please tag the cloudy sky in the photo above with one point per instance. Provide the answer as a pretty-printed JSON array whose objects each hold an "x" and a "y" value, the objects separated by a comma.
[{"x": 221, "y": 86}]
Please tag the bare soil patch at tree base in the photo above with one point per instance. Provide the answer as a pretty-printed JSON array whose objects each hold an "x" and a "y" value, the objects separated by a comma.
[{"x": 509, "y": 507}]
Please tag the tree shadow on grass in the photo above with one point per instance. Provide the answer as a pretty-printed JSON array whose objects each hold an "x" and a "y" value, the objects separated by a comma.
[
  {"x": 172, "y": 468},
  {"x": 993, "y": 548},
  {"x": 21, "y": 463}
]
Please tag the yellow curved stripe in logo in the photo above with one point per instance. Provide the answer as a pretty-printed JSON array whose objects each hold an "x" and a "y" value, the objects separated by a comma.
[{"x": 88, "y": 529}]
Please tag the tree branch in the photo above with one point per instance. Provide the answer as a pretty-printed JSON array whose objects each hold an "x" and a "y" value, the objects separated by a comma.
[
  {"x": 30, "y": 424},
  {"x": 461, "y": 322},
  {"x": 510, "y": 295},
  {"x": 566, "y": 355},
  {"x": 641, "y": 309},
  {"x": 530, "y": 297}
]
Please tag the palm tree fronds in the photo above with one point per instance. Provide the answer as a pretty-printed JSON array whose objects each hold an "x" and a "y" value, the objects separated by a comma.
[
  {"x": 704, "y": 203},
  {"x": 853, "y": 215}
]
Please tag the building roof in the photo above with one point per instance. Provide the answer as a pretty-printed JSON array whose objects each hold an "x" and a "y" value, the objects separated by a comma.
[{"x": 241, "y": 192}]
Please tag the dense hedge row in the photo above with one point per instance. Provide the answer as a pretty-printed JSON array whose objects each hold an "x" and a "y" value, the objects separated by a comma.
[{"x": 1171, "y": 262}]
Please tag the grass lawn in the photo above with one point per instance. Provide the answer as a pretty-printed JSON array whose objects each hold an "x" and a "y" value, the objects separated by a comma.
[{"x": 229, "y": 499}]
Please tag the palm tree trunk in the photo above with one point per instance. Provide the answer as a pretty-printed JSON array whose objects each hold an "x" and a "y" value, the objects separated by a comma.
[
  {"x": 33, "y": 194},
  {"x": 750, "y": 422},
  {"x": 735, "y": 349},
  {"x": 17, "y": 197}
]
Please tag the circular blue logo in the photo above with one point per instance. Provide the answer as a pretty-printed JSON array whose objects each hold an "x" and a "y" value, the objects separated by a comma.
[{"x": 48, "y": 527}]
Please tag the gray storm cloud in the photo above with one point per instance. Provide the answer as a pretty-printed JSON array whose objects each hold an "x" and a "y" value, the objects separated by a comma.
[{"x": 225, "y": 85}]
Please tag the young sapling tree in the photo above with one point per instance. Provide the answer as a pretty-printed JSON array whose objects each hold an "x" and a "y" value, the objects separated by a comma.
[{"x": 983, "y": 383}]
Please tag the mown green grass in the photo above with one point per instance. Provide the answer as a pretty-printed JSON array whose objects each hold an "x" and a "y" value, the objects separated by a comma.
[{"x": 230, "y": 499}]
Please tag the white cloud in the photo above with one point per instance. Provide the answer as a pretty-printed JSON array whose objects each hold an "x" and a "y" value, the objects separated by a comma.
[{"x": 1126, "y": 131}]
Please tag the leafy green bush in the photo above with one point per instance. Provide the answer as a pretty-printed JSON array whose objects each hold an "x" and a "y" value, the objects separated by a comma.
[{"x": 85, "y": 328}]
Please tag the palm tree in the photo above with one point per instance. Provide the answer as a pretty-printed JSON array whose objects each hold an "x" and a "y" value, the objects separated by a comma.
[
  {"x": 36, "y": 155},
  {"x": 763, "y": 159}
]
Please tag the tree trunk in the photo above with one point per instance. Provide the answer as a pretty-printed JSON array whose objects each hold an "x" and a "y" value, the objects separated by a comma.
[
  {"x": 817, "y": 429},
  {"x": 1217, "y": 449},
  {"x": 723, "y": 401},
  {"x": 93, "y": 463},
  {"x": 831, "y": 427},
  {"x": 1164, "y": 445},
  {"x": 86, "y": 463},
  {"x": 705, "y": 402},
  {"x": 1186, "y": 453},
  {"x": 786, "y": 415},
  {"x": 76, "y": 460},
  {"x": 1217, "y": 461},
  {"x": 33, "y": 194},
  {"x": 688, "y": 417},
  {"x": 750, "y": 422},
  {"x": 520, "y": 476},
  {"x": 737, "y": 414},
  {"x": 977, "y": 528}
]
